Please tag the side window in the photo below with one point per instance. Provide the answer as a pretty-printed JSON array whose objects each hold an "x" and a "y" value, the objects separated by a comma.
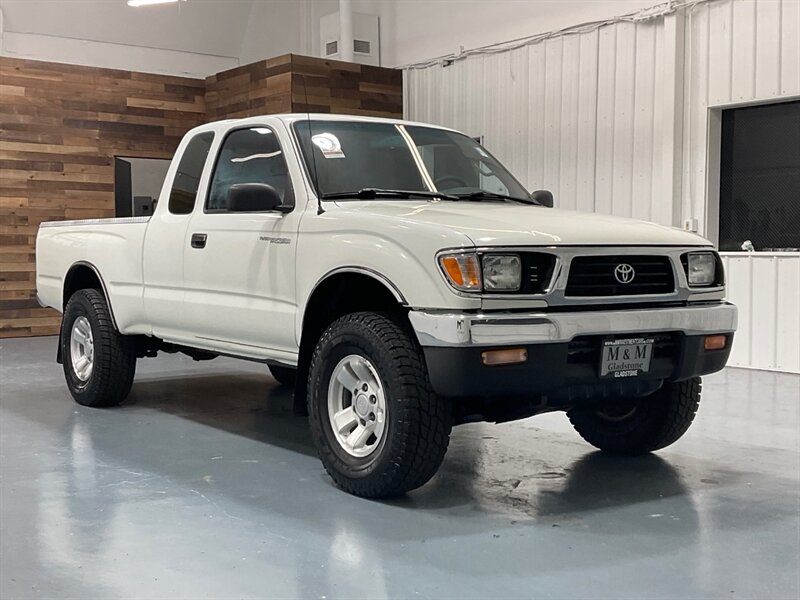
[
  {"x": 187, "y": 178},
  {"x": 251, "y": 155}
]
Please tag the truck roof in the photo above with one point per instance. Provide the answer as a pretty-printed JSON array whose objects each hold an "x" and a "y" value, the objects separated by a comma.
[{"x": 289, "y": 118}]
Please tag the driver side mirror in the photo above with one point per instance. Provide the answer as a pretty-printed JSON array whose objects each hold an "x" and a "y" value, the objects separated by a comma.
[
  {"x": 255, "y": 197},
  {"x": 543, "y": 197}
]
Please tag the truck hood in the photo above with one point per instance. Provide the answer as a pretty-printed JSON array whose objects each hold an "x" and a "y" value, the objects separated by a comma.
[{"x": 506, "y": 224}]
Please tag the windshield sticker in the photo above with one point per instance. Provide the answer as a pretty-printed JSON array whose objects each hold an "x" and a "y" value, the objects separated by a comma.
[{"x": 328, "y": 144}]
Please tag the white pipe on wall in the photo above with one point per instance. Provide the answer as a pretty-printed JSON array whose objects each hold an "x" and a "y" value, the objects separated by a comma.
[{"x": 346, "y": 30}]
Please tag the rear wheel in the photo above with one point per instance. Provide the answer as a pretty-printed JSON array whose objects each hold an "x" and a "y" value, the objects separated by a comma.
[
  {"x": 99, "y": 363},
  {"x": 377, "y": 425},
  {"x": 284, "y": 375},
  {"x": 640, "y": 425}
]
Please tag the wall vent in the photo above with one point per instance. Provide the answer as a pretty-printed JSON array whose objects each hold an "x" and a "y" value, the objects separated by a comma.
[
  {"x": 366, "y": 38},
  {"x": 361, "y": 46}
]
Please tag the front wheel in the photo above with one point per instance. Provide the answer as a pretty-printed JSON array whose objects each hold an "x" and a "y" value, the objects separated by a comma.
[
  {"x": 640, "y": 425},
  {"x": 99, "y": 363},
  {"x": 378, "y": 426}
]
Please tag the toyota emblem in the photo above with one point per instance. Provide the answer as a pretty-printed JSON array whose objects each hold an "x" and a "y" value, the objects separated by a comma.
[{"x": 624, "y": 273}]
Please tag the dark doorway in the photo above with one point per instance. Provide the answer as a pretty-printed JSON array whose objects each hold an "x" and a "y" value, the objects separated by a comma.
[
  {"x": 759, "y": 197},
  {"x": 123, "y": 189},
  {"x": 137, "y": 185}
]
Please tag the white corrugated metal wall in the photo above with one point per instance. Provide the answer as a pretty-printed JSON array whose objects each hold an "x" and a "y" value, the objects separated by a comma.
[
  {"x": 737, "y": 51},
  {"x": 582, "y": 115},
  {"x": 620, "y": 119},
  {"x": 743, "y": 51},
  {"x": 766, "y": 288}
]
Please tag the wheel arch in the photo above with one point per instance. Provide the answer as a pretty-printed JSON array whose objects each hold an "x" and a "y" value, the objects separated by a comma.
[
  {"x": 339, "y": 292},
  {"x": 366, "y": 272},
  {"x": 339, "y": 289},
  {"x": 84, "y": 275}
]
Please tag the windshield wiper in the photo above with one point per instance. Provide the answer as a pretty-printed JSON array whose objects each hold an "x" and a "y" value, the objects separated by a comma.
[
  {"x": 370, "y": 193},
  {"x": 484, "y": 195}
]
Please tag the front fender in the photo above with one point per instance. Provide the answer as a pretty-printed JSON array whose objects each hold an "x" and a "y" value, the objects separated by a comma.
[{"x": 402, "y": 258}]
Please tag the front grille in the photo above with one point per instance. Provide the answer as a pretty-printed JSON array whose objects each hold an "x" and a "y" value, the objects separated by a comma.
[
  {"x": 537, "y": 272},
  {"x": 594, "y": 276}
]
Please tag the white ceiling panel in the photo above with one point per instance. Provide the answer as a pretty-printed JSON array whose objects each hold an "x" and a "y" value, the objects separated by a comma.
[{"x": 200, "y": 26}]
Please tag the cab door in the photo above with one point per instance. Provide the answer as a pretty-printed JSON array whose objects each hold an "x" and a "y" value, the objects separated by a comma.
[{"x": 239, "y": 267}]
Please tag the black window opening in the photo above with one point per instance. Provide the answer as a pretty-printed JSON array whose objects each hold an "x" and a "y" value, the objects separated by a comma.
[
  {"x": 137, "y": 184},
  {"x": 251, "y": 155},
  {"x": 187, "y": 178},
  {"x": 759, "y": 199}
]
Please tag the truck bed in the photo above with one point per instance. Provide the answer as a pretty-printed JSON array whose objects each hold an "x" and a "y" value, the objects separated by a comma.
[{"x": 109, "y": 246}]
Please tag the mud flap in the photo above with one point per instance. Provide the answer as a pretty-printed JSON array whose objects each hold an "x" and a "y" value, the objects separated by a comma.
[{"x": 59, "y": 358}]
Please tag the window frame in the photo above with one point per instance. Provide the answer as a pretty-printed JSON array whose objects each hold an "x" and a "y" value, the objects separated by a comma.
[
  {"x": 213, "y": 135},
  {"x": 210, "y": 184}
]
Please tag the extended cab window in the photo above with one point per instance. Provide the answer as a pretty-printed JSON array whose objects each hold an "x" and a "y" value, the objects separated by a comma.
[
  {"x": 187, "y": 178},
  {"x": 250, "y": 155}
]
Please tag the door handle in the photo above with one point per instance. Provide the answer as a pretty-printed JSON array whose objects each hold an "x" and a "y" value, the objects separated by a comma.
[{"x": 199, "y": 240}]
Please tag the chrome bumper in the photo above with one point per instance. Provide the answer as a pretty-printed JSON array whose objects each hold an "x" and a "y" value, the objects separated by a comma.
[{"x": 461, "y": 329}]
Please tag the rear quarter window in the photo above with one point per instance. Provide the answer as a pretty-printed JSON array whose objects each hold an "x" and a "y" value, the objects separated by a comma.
[{"x": 183, "y": 195}]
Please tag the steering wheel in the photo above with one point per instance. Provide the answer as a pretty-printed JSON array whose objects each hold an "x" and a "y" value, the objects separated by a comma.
[{"x": 449, "y": 178}]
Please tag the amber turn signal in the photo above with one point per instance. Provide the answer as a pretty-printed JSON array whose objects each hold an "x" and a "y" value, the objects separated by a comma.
[
  {"x": 715, "y": 342},
  {"x": 510, "y": 356},
  {"x": 462, "y": 271}
]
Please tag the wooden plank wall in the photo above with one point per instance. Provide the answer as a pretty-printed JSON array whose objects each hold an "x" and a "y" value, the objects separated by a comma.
[
  {"x": 293, "y": 83},
  {"x": 61, "y": 126},
  {"x": 332, "y": 86},
  {"x": 256, "y": 89}
]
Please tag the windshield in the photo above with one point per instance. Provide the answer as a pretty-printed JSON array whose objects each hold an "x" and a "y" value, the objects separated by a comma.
[{"x": 345, "y": 157}]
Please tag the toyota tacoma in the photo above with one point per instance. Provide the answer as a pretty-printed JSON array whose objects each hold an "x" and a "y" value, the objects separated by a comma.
[{"x": 403, "y": 281}]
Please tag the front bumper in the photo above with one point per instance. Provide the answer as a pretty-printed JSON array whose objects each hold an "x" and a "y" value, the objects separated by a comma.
[
  {"x": 564, "y": 349},
  {"x": 463, "y": 329}
]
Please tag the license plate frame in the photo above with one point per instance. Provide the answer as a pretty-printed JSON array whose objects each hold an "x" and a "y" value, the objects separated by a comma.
[{"x": 623, "y": 357}]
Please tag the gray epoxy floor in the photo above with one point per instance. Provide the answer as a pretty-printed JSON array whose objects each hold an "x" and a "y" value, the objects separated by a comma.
[{"x": 203, "y": 485}]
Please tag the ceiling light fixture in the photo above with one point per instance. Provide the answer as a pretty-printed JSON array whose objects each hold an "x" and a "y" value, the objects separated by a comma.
[{"x": 137, "y": 3}]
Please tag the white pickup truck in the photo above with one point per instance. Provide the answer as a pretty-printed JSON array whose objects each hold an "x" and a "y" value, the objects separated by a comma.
[{"x": 404, "y": 281}]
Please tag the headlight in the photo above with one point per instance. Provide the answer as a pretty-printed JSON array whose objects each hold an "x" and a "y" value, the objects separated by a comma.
[
  {"x": 469, "y": 272},
  {"x": 701, "y": 268},
  {"x": 501, "y": 273},
  {"x": 462, "y": 271}
]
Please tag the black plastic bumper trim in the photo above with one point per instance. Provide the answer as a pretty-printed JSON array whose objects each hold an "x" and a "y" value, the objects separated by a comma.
[{"x": 458, "y": 372}]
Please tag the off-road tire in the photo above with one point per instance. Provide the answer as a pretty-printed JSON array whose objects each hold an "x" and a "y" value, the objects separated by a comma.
[
  {"x": 418, "y": 423},
  {"x": 658, "y": 420},
  {"x": 284, "y": 375},
  {"x": 114, "y": 354}
]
